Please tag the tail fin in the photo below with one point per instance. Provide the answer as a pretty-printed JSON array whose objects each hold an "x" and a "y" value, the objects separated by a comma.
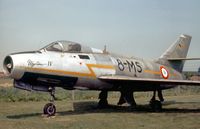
[{"x": 177, "y": 50}]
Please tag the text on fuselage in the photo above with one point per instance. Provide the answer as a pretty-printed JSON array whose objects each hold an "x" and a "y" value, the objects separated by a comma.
[{"x": 132, "y": 66}]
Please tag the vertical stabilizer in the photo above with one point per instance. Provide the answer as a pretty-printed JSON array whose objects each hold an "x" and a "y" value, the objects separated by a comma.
[{"x": 177, "y": 50}]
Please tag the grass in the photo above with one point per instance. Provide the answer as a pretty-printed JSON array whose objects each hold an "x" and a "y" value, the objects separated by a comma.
[
  {"x": 184, "y": 114},
  {"x": 23, "y": 110},
  {"x": 10, "y": 94}
]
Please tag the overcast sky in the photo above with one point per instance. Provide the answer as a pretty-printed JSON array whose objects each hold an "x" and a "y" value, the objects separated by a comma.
[{"x": 143, "y": 28}]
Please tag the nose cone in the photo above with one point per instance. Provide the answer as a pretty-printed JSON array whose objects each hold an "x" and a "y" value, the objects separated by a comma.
[{"x": 8, "y": 65}]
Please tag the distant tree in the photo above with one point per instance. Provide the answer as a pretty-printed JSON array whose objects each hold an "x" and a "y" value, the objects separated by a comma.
[
  {"x": 188, "y": 75},
  {"x": 199, "y": 71}
]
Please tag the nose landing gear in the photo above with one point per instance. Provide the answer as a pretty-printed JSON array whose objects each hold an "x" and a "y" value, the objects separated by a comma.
[{"x": 50, "y": 109}]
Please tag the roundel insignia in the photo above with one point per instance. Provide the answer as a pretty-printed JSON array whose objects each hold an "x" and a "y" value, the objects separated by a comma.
[{"x": 164, "y": 72}]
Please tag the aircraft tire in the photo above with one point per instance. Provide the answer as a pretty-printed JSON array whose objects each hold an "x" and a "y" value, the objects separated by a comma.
[
  {"x": 156, "y": 106},
  {"x": 49, "y": 109},
  {"x": 103, "y": 104}
]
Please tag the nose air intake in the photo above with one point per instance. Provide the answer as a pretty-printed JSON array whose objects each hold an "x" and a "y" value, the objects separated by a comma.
[{"x": 8, "y": 65}]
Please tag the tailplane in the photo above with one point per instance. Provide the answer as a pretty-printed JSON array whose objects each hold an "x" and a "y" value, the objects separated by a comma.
[{"x": 175, "y": 55}]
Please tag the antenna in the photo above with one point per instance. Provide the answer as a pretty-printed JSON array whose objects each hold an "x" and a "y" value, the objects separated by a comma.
[{"x": 105, "y": 50}]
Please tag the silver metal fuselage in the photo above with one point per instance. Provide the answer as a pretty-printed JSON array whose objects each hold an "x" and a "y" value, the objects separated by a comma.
[{"x": 81, "y": 70}]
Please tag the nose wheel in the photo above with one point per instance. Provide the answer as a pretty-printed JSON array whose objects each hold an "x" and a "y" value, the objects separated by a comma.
[{"x": 50, "y": 109}]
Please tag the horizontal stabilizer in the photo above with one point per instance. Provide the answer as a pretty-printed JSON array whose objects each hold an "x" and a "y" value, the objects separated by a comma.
[{"x": 179, "y": 59}]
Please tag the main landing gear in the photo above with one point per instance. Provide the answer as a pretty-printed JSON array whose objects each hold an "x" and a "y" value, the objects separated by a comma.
[
  {"x": 50, "y": 109},
  {"x": 156, "y": 105},
  {"x": 103, "y": 102},
  {"x": 127, "y": 97}
]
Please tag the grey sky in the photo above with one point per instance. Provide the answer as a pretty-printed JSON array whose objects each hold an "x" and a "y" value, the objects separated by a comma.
[{"x": 140, "y": 28}]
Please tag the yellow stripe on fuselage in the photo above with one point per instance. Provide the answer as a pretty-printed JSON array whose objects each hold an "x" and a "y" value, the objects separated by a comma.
[
  {"x": 157, "y": 72},
  {"x": 152, "y": 72},
  {"x": 90, "y": 74}
]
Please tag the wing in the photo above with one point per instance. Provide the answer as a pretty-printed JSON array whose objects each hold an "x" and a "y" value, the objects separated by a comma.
[{"x": 147, "y": 81}]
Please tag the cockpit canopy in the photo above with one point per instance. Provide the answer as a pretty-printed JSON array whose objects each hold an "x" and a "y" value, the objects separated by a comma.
[{"x": 71, "y": 47}]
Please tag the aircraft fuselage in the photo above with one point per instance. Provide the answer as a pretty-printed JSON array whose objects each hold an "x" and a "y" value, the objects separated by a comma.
[
  {"x": 38, "y": 70},
  {"x": 71, "y": 66}
]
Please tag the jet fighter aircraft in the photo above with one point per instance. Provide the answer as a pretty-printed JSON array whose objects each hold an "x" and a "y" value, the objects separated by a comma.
[{"x": 71, "y": 66}]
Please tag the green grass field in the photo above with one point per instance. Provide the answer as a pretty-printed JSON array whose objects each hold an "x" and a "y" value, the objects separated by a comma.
[
  {"x": 183, "y": 112},
  {"x": 23, "y": 110}
]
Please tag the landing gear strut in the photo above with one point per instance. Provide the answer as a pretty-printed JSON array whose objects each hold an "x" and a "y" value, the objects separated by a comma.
[
  {"x": 103, "y": 102},
  {"x": 127, "y": 97},
  {"x": 50, "y": 109},
  {"x": 156, "y": 105}
]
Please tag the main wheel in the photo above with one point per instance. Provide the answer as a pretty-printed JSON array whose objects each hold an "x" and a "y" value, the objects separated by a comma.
[
  {"x": 156, "y": 105},
  {"x": 103, "y": 104},
  {"x": 49, "y": 109}
]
